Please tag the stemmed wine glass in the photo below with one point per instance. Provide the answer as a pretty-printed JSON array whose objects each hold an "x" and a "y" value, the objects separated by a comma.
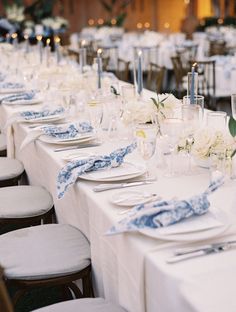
[
  {"x": 146, "y": 135},
  {"x": 172, "y": 128},
  {"x": 95, "y": 110}
]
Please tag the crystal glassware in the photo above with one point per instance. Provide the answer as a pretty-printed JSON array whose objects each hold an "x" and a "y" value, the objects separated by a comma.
[
  {"x": 171, "y": 128},
  {"x": 146, "y": 135}
]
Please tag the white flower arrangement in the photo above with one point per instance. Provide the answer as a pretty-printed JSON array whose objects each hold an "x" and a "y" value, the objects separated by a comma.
[
  {"x": 15, "y": 13},
  {"x": 55, "y": 23},
  {"x": 155, "y": 108},
  {"x": 205, "y": 141}
]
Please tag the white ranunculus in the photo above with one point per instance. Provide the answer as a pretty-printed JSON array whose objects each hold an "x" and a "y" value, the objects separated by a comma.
[
  {"x": 138, "y": 112},
  {"x": 206, "y": 140},
  {"x": 170, "y": 103}
]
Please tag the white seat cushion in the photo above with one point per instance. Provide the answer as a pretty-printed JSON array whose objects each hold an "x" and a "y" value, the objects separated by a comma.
[
  {"x": 24, "y": 201},
  {"x": 43, "y": 251},
  {"x": 82, "y": 305},
  {"x": 10, "y": 168},
  {"x": 3, "y": 142}
]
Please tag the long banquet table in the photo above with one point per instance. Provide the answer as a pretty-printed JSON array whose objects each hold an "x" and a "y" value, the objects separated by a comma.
[{"x": 131, "y": 269}]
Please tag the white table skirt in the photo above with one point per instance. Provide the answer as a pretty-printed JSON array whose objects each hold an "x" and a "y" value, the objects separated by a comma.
[{"x": 128, "y": 269}]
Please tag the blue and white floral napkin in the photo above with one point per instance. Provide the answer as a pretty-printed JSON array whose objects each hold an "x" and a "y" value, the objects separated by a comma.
[
  {"x": 68, "y": 131},
  {"x": 160, "y": 214},
  {"x": 31, "y": 115},
  {"x": 69, "y": 174},
  {"x": 11, "y": 87},
  {"x": 24, "y": 96}
]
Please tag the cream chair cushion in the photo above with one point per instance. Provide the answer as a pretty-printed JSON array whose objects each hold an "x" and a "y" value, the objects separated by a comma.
[
  {"x": 10, "y": 168},
  {"x": 83, "y": 305},
  {"x": 43, "y": 251},
  {"x": 24, "y": 201}
]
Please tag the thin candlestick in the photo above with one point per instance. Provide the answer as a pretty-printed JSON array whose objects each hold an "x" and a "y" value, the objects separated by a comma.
[
  {"x": 99, "y": 63},
  {"x": 40, "y": 48},
  {"x": 192, "y": 88},
  {"x": 140, "y": 73}
]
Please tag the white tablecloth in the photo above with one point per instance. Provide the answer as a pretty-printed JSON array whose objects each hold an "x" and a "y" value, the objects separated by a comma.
[{"x": 130, "y": 269}]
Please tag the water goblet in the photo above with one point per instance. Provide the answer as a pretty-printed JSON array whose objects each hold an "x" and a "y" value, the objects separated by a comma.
[
  {"x": 95, "y": 110},
  {"x": 233, "y": 105},
  {"x": 171, "y": 128},
  {"x": 146, "y": 135}
]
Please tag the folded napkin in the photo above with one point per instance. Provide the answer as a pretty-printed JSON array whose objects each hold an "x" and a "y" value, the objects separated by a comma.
[
  {"x": 69, "y": 174},
  {"x": 31, "y": 115},
  {"x": 11, "y": 85},
  {"x": 66, "y": 132},
  {"x": 164, "y": 213},
  {"x": 25, "y": 96}
]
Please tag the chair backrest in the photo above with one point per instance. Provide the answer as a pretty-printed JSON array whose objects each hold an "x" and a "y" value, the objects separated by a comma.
[
  {"x": 179, "y": 72},
  {"x": 207, "y": 81},
  {"x": 155, "y": 77},
  {"x": 5, "y": 302},
  {"x": 122, "y": 71},
  {"x": 217, "y": 48}
]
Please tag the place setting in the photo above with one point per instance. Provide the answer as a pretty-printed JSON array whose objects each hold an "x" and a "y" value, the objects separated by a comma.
[{"x": 23, "y": 97}]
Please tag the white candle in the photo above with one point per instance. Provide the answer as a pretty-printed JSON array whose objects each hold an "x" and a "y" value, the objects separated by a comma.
[
  {"x": 40, "y": 48},
  {"x": 57, "y": 41},
  {"x": 48, "y": 52},
  {"x": 15, "y": 40},
  {"x": 26, "y": 37}
]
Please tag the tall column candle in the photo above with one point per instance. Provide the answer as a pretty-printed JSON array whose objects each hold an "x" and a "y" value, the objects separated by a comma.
[
  {"x": 84, "y": 52},
  {"x": 40, "y": 48},
  {"x": 15, "y": 40},
  {"x": 26, "y": 37},
  {"x": 57, "y": 41},
  {"x": 48, "y": 51},
  {"x": 99, "y": 67},
  {"x": 192, "y": 88},
  {"x": 140, "y": 73}
]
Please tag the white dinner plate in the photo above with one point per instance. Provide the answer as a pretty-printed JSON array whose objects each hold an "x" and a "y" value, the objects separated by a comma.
[
  {"x": 129, "y": 198},
  {"x": 24, "y": 102},
  {"x": 125, "y": 171},
  {"x": 78, "y": 139},
  {"x": 45, "y": 119},
  {"x": 193, "y": 229}
]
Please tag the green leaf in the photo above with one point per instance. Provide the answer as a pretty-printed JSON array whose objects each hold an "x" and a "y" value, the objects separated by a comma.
[
  {"x": 232, "y": 126},
  {"x": 234, "y": 152}
]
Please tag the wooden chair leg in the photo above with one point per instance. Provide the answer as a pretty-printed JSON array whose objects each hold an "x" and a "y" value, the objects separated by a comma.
[
  {"x": 75, "y": 290},
  {"x": 87, "y": 286},
  {"x": 18, "y": 295}
]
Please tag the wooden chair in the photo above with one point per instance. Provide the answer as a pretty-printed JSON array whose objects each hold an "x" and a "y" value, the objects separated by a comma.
[
  {"x": 207, "y": 82},
  {"x": 155, "y": 78},
  {"x": 179, "y": 73},
  {"x": 25, "y": 205},
  {"x": 11, "y": 171},
  {"x": 217, "y": 48},
  {"x": 122, "y": 71},
  {"x": 5, "y": 302},
  {"x": 46, "y": 256},
  {"x": 78, "y": 305}
]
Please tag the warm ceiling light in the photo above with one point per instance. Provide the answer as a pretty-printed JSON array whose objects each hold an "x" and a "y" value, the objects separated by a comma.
[
  {"x": 167, "y": 25},
  {"x": 186, "y": 2},
  {"x": 147, "y": 25},
  {"x": 57, "y": 39},
  {"x": 113, "y": 21},
  {"x": 220, "y": 21},
  {"x": 14, "y": 35},
  {"x": 91, "y": 22},
  {"x": 39, "y": 37},
  {"x": 139, "y": 25},
  {"x": 100, "y": 21}
]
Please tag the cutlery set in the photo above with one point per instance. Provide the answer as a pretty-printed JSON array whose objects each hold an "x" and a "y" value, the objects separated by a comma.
[
  {"x": 188, "y": 253},
  {"x": 106, "y": 187}
]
